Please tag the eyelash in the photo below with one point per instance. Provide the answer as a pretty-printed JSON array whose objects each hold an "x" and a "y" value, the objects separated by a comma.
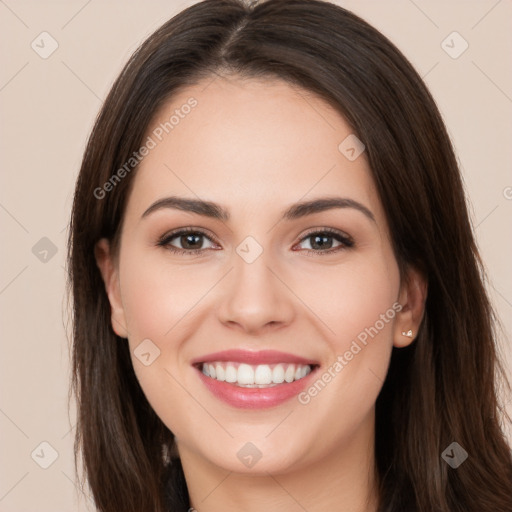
[{"x": 346, "y": 241}]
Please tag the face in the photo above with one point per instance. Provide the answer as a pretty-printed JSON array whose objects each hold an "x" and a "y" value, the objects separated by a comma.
[{"x": 275, "y": 328}]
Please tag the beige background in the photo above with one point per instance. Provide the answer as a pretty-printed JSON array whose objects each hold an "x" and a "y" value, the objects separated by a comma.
[{"x": 48, "y": 106}]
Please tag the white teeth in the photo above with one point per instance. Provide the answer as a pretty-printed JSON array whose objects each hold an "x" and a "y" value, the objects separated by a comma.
[
  {"x": 231, "y": 373},
  {"x": 245, "y": 374},
  {"x": 289, "y": 374},
  {"x": 278, "y": 374},
  {"x": 261, "y": 375},
  {"x": 221, "y": 374}
]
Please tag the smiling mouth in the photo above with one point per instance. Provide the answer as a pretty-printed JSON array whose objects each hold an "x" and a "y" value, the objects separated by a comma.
[{"x": 255, "y": 376}]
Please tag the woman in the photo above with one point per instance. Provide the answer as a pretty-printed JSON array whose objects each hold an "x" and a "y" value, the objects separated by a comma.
[{"x": 278, "y": 299}]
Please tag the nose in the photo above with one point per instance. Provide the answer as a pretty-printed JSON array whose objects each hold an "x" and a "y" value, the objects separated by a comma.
[{"x": 255, "y": 298}]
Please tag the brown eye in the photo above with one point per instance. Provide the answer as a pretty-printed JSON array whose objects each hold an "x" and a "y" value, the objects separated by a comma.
[
  {"x": 190, "y": 241},
  {"x": 323, "y": 241}
]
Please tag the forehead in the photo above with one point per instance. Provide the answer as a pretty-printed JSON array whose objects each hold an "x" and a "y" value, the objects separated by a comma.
[{"x": 246, "y": 142}]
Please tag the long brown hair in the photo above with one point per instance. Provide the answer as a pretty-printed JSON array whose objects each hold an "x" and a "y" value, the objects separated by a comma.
[{"x": 443, "y": 388}]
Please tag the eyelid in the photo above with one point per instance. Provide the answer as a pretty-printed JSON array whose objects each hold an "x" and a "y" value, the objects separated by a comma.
[{"x": 326, "y": 229}]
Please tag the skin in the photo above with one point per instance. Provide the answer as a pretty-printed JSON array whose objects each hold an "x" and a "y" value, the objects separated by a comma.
[{"x": 257, "y": 147}]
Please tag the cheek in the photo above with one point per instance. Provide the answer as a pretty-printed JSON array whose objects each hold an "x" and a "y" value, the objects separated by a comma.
[
  {"x": 350, "y": 299},
  {"x": 156, "y": 296},
  {"x": 358, "y": 304},
  {"x": 159, "y": 301}
]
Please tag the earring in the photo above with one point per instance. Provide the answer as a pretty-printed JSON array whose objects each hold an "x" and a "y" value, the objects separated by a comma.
[{"x": 408, "y": 333}]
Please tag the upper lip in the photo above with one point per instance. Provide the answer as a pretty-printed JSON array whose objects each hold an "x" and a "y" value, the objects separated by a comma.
[{"x": 254, "y": 357}]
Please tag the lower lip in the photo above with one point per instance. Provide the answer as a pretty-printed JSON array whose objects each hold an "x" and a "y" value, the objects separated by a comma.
[{"x": 255, "y": 398}]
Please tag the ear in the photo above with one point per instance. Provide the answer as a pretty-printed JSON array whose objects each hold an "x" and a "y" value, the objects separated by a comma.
[
  {"x": 109, "y": 272},
  {"x": 412, "y": 297}
]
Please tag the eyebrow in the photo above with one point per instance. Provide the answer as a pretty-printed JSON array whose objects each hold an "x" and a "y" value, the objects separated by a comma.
[{"x": 295, "y": 211}]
